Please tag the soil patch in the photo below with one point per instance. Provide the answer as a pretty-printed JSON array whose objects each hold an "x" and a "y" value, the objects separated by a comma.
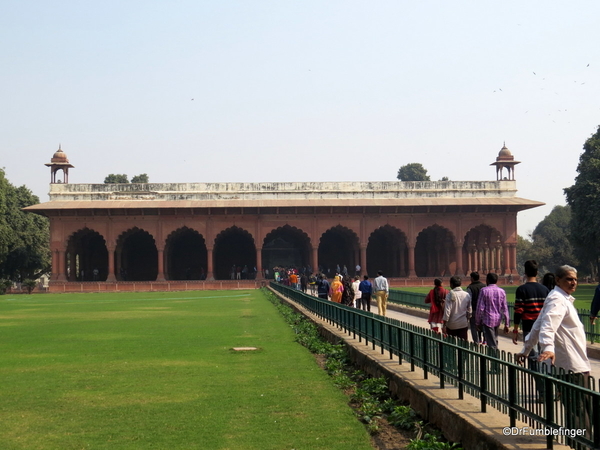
[{"x": 388, "y": 437}]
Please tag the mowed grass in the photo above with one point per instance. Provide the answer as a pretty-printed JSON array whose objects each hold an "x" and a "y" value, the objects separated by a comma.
[
  {"x": 157, "y": 370},
  {"x": 583, "y": 295}
]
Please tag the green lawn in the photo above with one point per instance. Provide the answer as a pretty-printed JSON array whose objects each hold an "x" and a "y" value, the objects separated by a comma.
[
  {"x": 156, "y": 370},
  {"x": 583, "y": 295}
]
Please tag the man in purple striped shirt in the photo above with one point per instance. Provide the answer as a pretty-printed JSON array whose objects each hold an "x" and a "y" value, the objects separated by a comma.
[{"x": 491, "y": 307}]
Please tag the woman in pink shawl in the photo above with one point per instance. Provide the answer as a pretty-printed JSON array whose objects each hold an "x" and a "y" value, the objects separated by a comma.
[{"x": 436, "y": 297}]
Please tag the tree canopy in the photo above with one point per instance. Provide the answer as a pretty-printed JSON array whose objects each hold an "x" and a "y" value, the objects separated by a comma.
[
  {"x": 551, "y": 239},
  {"x": 114, "y": 178},
  {"x": 413, "y": 172},
  {"x": 24, "y": 237},
  {"x": 141, "y": 178},
  {"x": 584, "y": 199}
]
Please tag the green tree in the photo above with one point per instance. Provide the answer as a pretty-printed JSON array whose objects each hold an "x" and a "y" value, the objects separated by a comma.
[
  {"x": 116, "y": 178},
  {"x": 24, "y": 237},
  {"x": 552, "y": 246},
  {"x": 141, "y": 178},
  {"x": 524, "y": 251},
  {"x": 584, "y": 199},
  {"x": 413, "y": 172}
]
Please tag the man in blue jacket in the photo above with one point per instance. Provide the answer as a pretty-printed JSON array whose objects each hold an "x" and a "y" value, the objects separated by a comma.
[{"x": 366, "y": 289}]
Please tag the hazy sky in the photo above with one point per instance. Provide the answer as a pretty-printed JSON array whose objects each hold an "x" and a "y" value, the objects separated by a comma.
[{"x": 299, "y": 91}]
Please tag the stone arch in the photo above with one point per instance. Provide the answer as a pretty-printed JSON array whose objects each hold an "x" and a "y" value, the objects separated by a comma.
[
  {"x": 286, "y": 246},
  {"x": 136, "y": 256},
  {"x": 482, "y": 250},
  {"x": 435, "y": 255},
  {"x": 339, "y": 245},
  {"x": 186, "y": 256},
  {"x": 86, "y": 256},
  {"x": 234, "y": 247},
  {"x": 387, "y": 250}
]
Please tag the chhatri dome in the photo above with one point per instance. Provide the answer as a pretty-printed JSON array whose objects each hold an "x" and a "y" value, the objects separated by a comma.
[
  {"x": 59, "y": 157},
  {"x": 58, "y": 162},
  {"x": 505, "y": 154},
  {"x": 505, "y": 160}
]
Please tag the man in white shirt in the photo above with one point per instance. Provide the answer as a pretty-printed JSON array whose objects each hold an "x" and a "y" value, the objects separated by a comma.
[
  {"x": 382, "y": 289},
  {"x": 561, "y": 336},
  {"x": 457, "y": 310},
  {"x": 558, "y": 330}
]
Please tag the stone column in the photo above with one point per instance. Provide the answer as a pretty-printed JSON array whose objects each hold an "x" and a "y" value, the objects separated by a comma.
[
  {"x": 161, "y": 265},
  {"x": 486, "y": 259},
  {"x": 315, "y": 258},
  {"x": 469, "y": 261},
  {"x": 506, "y": 267},
  {"x": 111, "y": 278},
  {"x": 459, "y": 262},
  {"x": 258, "y": 262},
  {"x": 54, "y": 273},
  {"x": 61, "y": 266},
  {"x": 513, "y": 258},
  {"x": 209, "y": 261},
  {"x": 498, "y": 259},
  {"x": 411, "y": 262}
]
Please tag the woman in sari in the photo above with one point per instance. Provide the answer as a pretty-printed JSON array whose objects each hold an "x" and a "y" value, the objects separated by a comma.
[
  {"x": 436, "y": 297},
  {"x": 336, "y": 289}
]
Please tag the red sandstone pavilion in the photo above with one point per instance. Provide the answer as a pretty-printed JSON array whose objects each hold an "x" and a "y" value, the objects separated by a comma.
[{"x": 163, "y": 236}]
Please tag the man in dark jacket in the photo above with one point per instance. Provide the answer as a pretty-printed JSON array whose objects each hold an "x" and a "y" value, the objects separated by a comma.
[
  {"x": 473, "y": 289},
  {"x": 323, "y": 287}
]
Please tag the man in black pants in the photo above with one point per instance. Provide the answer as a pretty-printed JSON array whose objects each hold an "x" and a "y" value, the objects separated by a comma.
[
  {"x": 529, "y": 301},
  {"x": 366, "y": 289},
  {"x": 473, "y": 289}
]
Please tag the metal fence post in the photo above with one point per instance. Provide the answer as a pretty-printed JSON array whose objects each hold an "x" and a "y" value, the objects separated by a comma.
[
  {"x": 441, "y": 358},
  {"x": 425, "y": 358},
  {"x": 399, "y": 346},
  {"x": 411, "y": 350},
  {"x": 483, "y": 382},
  {"x": 512, "y": 394},
  {"x": 460, "y": 374}
]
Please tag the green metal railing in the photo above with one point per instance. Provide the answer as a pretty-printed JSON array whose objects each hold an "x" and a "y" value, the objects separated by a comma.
[
  {"x": 416, "y": 300},
  {"x": 549, "y": 403}
]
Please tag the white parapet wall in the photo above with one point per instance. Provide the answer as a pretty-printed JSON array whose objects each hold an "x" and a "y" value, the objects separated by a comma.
[{"x": 283, "y": 190}]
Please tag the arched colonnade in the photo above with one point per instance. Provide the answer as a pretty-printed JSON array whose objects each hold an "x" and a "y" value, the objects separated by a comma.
[{"x": 145, "y": 250}]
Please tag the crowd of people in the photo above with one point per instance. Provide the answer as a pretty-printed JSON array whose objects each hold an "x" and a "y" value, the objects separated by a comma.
[
  {"x": 553, "y": 333},
  {"x": 552, "y": 330},
  {"x": 354, "y": 291}
]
